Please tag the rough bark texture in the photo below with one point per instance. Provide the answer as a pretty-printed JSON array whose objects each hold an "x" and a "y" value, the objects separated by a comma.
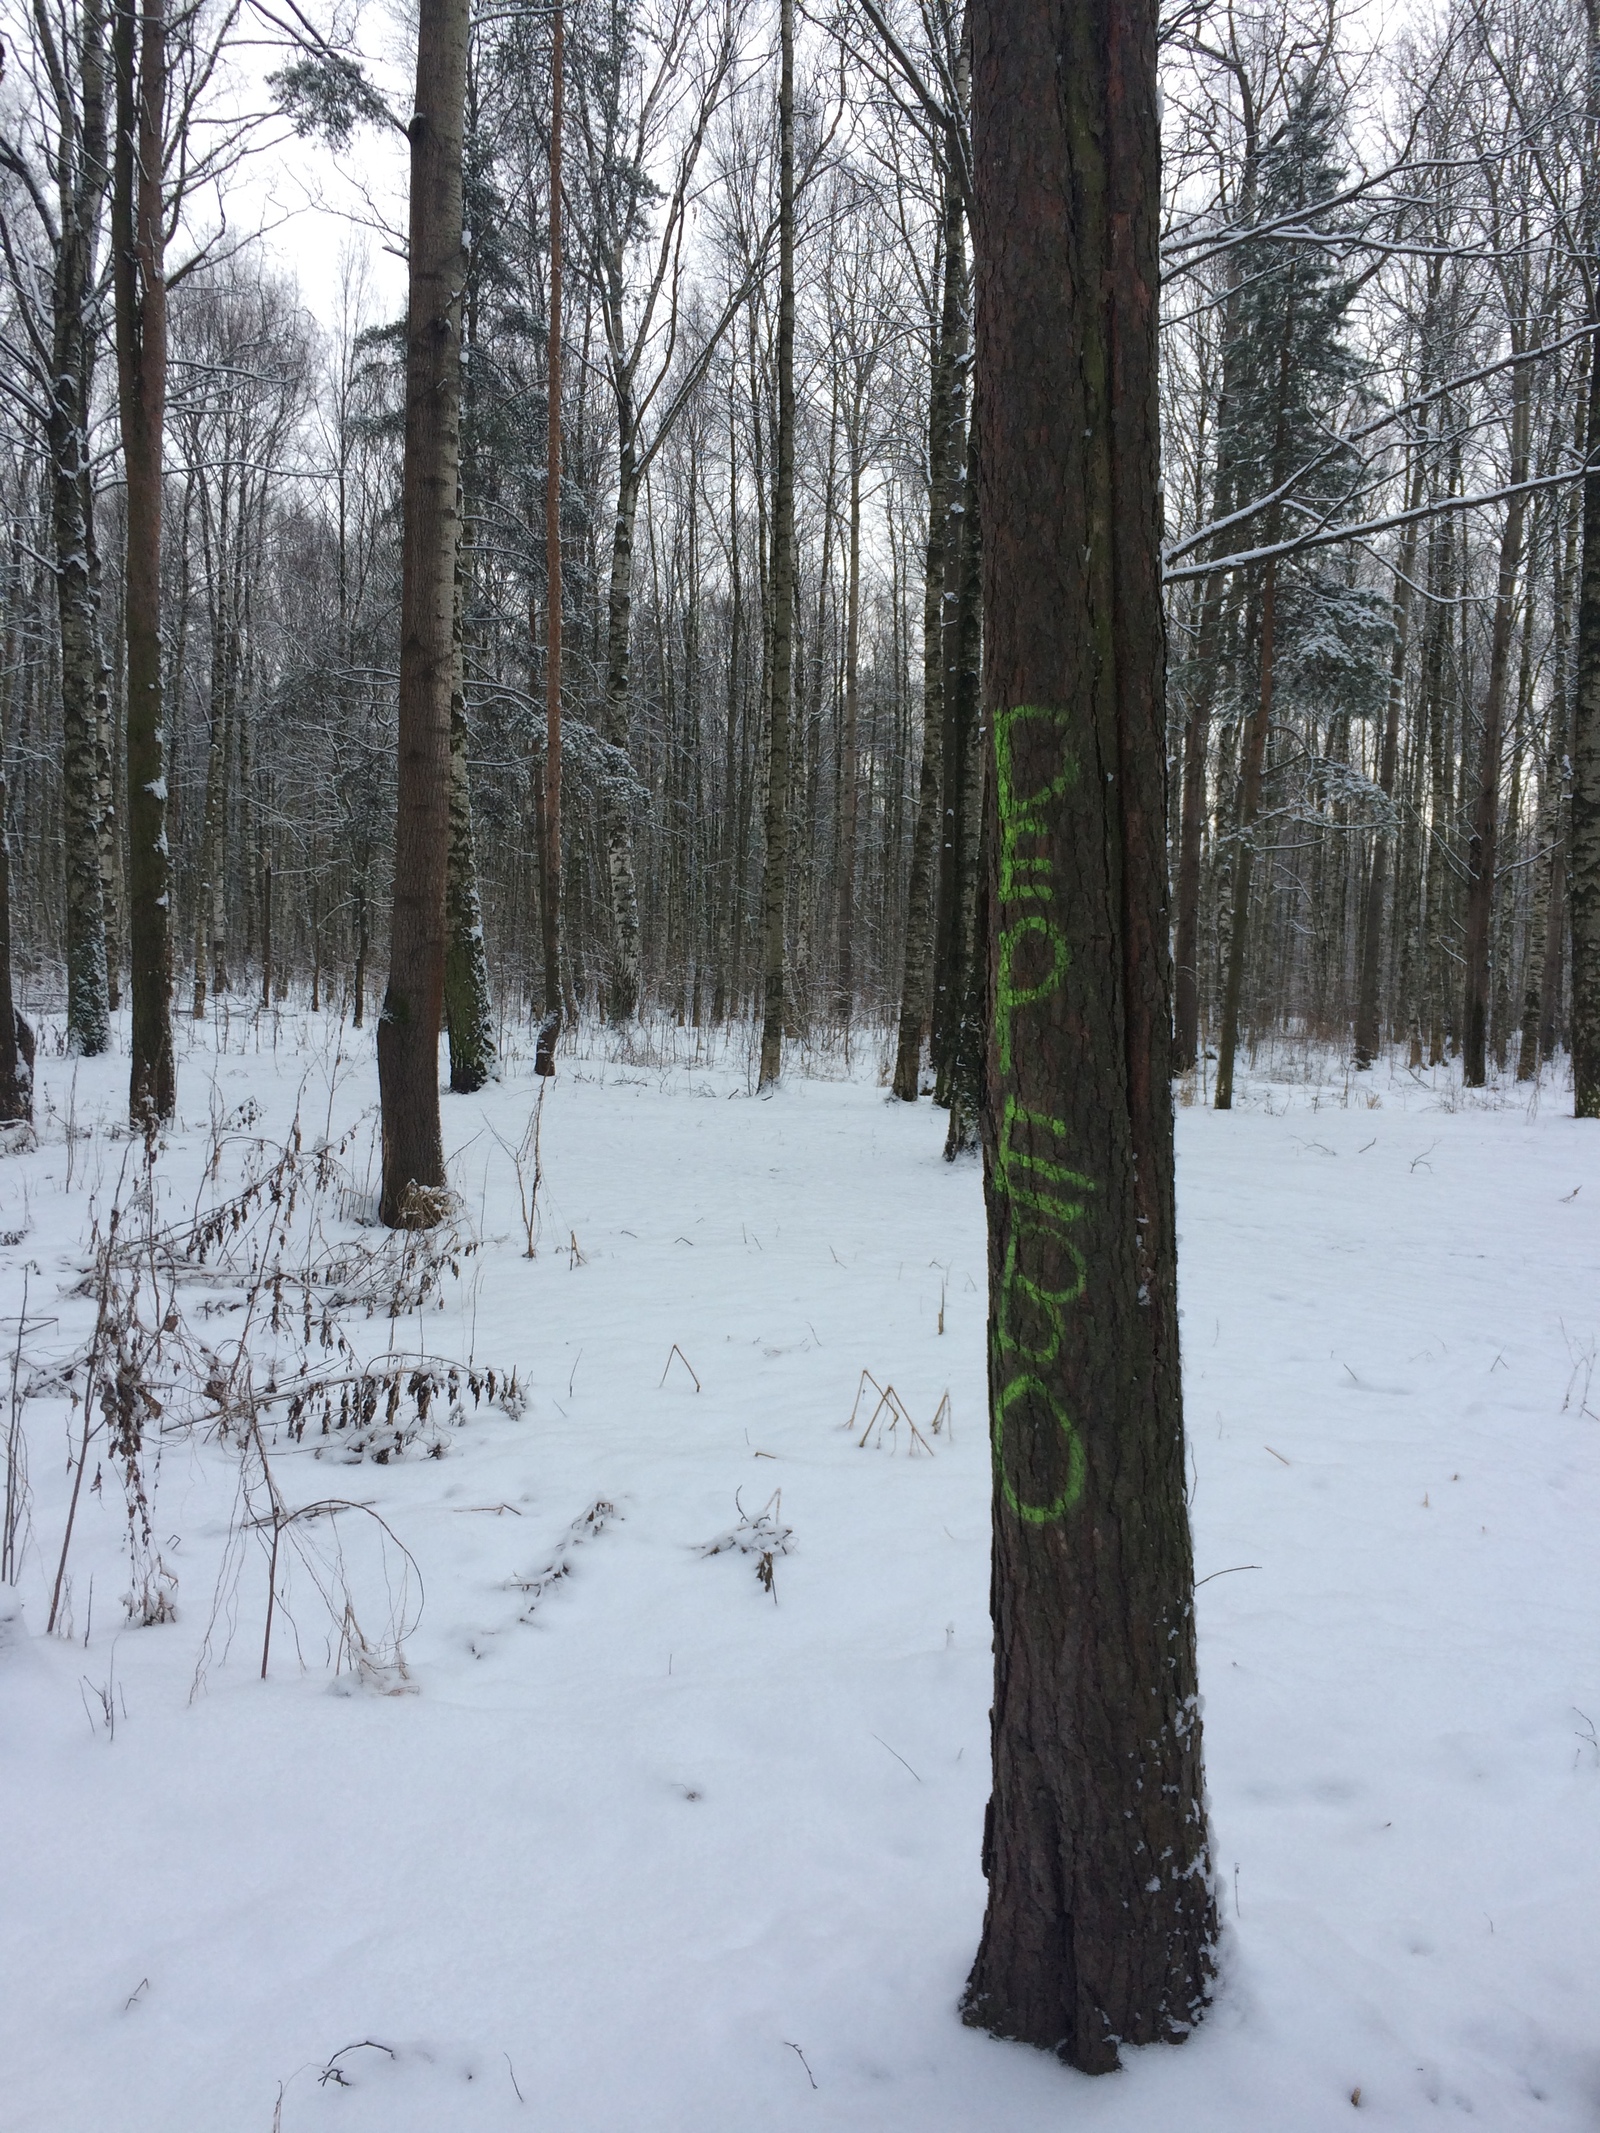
[
  {"x": 138, "y": 229},
  {"x": 469, "y": 1012},
  {"x": 408, "y": 1028},
  {"x": 16, "y": 1038},
  {"x": 1583, "y": 871},
  {"x": 954, "y": 882},
  {"x": 962, "y": 1065},
  {"x": 82, "y": 181},
  {"x": 1101, "y": 1920},
  {"x": 550, "y": 786},
  {"x": 775, "y": 882}
]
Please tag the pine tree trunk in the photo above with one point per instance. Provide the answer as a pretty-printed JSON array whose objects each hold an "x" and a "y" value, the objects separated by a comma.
[
  {"x": 408, "y": 1029},
  {"x": 138, "y": 231},
  {"x": 775, "y": 882},
  {"x": 1101, "y": 1920}
]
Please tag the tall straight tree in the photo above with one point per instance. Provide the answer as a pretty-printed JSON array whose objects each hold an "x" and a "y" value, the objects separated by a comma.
[
  {"x": 550, "y": 842},
  {"x": 138, "y": 242},
  {"x": 1585, "y": 860},
  {"x": 775, "y": 884},
  {"x": 1101, "y": 1917},
  {"x": 408, "y": 1029},
  {"x": 1584, "y": 863}
]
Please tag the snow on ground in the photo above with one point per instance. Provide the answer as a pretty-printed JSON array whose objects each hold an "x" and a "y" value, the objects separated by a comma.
[{"x": 647, "y": 1847}]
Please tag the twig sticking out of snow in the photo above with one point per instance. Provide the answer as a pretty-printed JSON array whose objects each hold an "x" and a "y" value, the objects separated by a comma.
[
  {"x": 675, "y": 1350},
  {"x": 764, "y": 1536},
  {"x": 885, "y": 1419}
]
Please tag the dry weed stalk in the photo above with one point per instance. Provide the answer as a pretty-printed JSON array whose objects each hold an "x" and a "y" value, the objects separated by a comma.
[
  {"x": 765, "y": 1537},
  {"x": 885, "y": 1418}
]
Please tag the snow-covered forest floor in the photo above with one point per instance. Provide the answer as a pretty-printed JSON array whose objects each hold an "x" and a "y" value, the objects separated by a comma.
[{"x": 638, "y": 1832}]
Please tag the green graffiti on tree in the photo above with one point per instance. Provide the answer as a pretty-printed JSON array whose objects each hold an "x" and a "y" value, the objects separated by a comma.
[{"x": 1045, "y": 1197}]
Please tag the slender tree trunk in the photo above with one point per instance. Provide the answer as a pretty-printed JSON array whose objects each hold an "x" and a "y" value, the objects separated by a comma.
[
  {"x": 775, "y": 883},
  {"x": 138, "y": 234},
  {"x": 16, "y": 1039},
  {"x": 915, "y": 994},
  {"x": 1191, "y": 827},
  {"x": 849, "y": 771},
  {"x": 1101, "y": 1919},
  {"x": 266, "y": 926},
  {"x": 408, "y": 1029},
  {"x": 82, "y": 181},
  {"x": 361, "y": 922},
  {"x": 1437, "y": 641},
  {"x": 953, "y": 887},
  {"x": 1369, "y": 993},
  {"x": 550, "y": 797},
  {"x": 1583, "y": 869},
  {"x": 210, "y": 899},
  {"x": 622, "y": 1002},
  {"x": 1483, "y": 851},
  {"x": 963, "y": 1068},
  {"x": 469, "y": 1013},
  {"x": 112, "y": 763},
  {"x": 1255, "y": 755}
]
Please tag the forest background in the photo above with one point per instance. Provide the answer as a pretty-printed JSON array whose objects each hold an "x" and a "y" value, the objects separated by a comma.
[{"x": 1375, "y": 351}]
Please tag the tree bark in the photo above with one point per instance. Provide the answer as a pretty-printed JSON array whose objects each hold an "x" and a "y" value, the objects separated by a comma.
[
  {"x": 16, "y": 1039},
  {"x": 408, "y": 1028},
  {"x": 1369, "y": 991},
  {"x": 845, "y": 973},
  {"x": 775, "y": 882},
  {"x": 83, "y": 178},
  {"x": 915, "y": 994},
  {"x": 550, "y": 792},
  {"x": 1483, "y": 850},
  {"x": 138, "y": 235},
  {"x": 1255, "y": 753},
  {"x": 469, "y": 1013},
  {"x": 1101, "y": 1919},
  {"x": 622, "y": 1001},
  {"x": 962, "y": 1066},
  {"x": 1583, "y": 868}
]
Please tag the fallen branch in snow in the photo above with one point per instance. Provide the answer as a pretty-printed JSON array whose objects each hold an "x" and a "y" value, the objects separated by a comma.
[
  {"x": 595, "y": 1520},
  {"x": 331, "y": 2072}
]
